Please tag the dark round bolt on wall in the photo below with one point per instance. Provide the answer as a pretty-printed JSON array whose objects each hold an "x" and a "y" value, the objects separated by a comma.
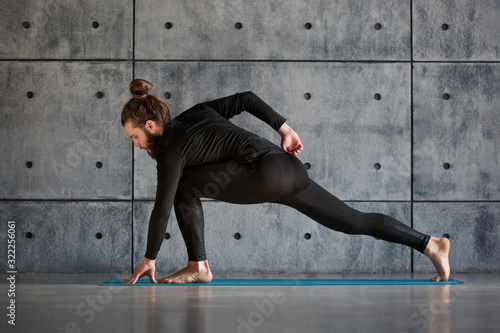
[
  {"x": 29, "y": 164},
  {"x": 377, "y": 97},
  {"x": 446, "y": 96},
  {"x": 238, "y": 25},
  {"x": 29, "y": 235},
  {"x": 30, "y": 94},
  {"x": 237, "y": 235},
  {"x": 167, "y": 236},
  {"x": 98, "y": 235},
  {"x": 446, "y": 166},
  {"x": 378, "y": 26},
  {"x": 100, "y": 94},
  {"x": 168, "y": 25},
  {"x": 307, "y": 165},
  {"x": 308, "y": 26},
  {"x": 377, "y": 166},
  {"x": 168, "y": 95},
  {"x": 307, "y": 236},
  {"x": 307, "y": 96},
  {"x": 26, "y": 25},
  {"x": 445, "y": 26},
  {"x": 95, "y": 25},
  {"x": 98, "y": 165}
]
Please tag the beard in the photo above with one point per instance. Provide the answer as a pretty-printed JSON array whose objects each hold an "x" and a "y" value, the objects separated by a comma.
[{"x": 152, "y": 143}]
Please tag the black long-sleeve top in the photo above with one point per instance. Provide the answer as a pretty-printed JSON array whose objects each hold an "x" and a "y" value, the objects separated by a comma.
[{"x": 203, "y": 135}]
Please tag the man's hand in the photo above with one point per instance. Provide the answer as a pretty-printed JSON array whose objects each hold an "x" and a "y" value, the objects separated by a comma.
[
  {"x": 290, "y": 140},
  {"x": 147, "y": 268}
]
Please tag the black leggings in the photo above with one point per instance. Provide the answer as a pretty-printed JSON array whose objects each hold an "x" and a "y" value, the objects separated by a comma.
[{"x": 277, "y": 177}]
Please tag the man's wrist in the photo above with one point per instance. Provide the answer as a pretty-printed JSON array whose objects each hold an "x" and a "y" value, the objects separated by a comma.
[{"x": 284, "y": 129}]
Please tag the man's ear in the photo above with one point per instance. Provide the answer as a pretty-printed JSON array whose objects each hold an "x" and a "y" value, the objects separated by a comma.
[{"x": 150, "y": 126}]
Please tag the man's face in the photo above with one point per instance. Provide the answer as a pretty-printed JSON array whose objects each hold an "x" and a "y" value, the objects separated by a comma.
[{"x": 142, "y": 138}]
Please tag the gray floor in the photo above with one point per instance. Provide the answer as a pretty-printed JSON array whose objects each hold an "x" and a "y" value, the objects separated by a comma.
[{"x": 76, "y": 303}]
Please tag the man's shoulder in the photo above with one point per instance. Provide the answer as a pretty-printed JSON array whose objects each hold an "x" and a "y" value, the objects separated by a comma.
[{"x": 196, "y": 110}]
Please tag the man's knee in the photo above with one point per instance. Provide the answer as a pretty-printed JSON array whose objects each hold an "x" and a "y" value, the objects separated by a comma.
[{"x": 188, "y": 212}]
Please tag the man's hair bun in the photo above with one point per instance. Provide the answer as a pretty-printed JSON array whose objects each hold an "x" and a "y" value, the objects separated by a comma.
[{"x": 139, "y": 88}]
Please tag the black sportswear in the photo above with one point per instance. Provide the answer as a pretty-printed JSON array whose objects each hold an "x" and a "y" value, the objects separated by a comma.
[{"x": 202, "y": 154}]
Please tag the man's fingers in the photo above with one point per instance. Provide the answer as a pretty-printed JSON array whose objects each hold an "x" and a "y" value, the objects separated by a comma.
[
  {"x": 297, "y": 149},
  {"x": 126, "y": 281},
  {"x": 131, "y": 280},
  {"x": 293, "y": 147}
]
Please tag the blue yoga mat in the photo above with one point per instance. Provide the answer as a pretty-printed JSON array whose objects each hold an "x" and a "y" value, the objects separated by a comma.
[{"x": 289, "y": 282}]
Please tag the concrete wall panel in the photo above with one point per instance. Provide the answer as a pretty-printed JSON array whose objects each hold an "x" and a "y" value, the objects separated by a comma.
[
  {"x": 273, "y": 240},
  {"x": 346, "y": 131},
  {"x": 273, "y": 30},
  {"x": 461, "y": 129},
  {"x": 474, "y": 230},
  {"x": 57, "y": 29},
  {"x": 456, "y": 30},
  {"x": 64, "y": 236},
  {"x": 60, "y": 140}
]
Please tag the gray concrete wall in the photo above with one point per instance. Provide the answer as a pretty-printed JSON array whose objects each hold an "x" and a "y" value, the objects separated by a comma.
[{"x": 407, "y": 86}]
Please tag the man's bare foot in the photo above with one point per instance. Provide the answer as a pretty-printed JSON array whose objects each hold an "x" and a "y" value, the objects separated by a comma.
[
  {"x": 194, "y": 272},
  {"x": 438, "y": 250}
]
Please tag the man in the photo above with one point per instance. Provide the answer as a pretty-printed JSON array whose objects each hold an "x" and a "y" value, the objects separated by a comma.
[{"x": 200, "y": 147}]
